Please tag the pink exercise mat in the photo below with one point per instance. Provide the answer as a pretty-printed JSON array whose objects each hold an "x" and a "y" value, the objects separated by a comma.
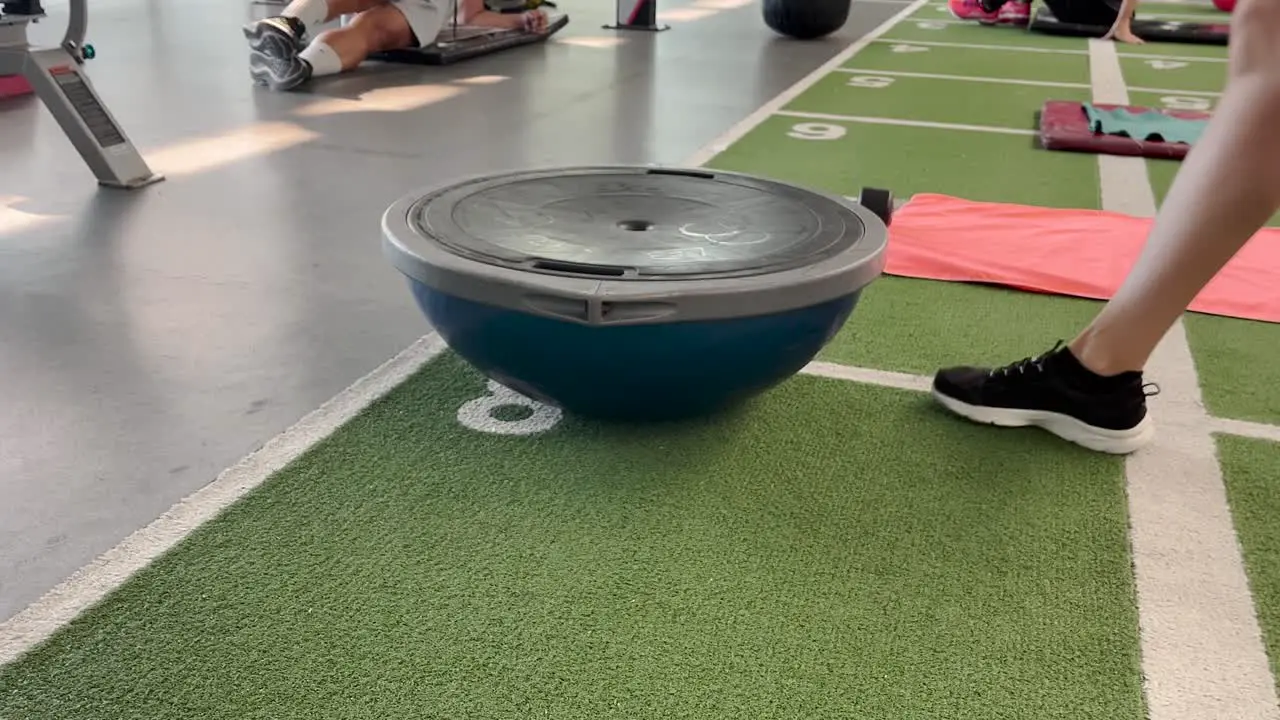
[
  {"x": 13, "y": 86},
  {"x": 1081, "y": 253}
]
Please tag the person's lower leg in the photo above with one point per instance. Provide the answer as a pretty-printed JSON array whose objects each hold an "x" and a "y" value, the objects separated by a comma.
[
  {"x": 1225, "y": 191},
  {"x": 342, "y": 49},
  {"x": 314, "y": 13}
]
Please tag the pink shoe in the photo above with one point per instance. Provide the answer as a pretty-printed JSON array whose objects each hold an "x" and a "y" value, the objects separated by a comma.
[
  {"x": 971, "y": 10},
  {"x": 1014, "y": 12}
]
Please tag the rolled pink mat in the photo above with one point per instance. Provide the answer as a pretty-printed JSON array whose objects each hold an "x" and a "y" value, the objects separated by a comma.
[{"x": 13, "y": 86}]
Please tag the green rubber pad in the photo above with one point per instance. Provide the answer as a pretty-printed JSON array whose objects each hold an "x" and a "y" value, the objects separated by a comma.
[
  {"x": 1143, "y": 124},
  {"x": 1250, "y": 468},
  {"x": 975, "y": 62},
  {"x": 835, "y": 550},
  {"x": 988, "y": 104}
]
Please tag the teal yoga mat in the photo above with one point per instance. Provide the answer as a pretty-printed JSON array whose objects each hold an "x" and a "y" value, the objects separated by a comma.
[{"x": 1145, "y": 125}]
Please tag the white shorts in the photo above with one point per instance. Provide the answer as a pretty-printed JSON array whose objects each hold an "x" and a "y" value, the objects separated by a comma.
[{"x": 426, "y": 17}]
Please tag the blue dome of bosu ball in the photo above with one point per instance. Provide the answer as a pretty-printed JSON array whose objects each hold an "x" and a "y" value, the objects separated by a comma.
[{"x": 636, "y": 293}]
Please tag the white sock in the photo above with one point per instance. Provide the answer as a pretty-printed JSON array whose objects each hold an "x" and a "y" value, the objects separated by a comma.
[
  {"x": 323, "y": 59},
  {"x": 312, "y": 13}
]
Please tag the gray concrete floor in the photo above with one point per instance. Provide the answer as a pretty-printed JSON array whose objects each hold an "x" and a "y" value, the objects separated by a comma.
[{"x": 149, "y": 340}]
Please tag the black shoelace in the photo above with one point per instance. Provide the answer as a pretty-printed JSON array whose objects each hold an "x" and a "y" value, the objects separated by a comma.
[{"x": 1035, "y": 363}]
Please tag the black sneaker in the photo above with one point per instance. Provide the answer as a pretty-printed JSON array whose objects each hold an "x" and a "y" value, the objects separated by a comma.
[
  {"x": 1055, "y": 392},
  {"x": 274, "y": 44}
]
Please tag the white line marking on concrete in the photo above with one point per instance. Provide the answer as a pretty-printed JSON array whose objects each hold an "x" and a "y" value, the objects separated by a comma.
[
  {"x": 1202, "y": 650},
  {"x": 900, "y": 122},
  {"x": 1244, "y": 428},
  {"x": 95, "y": 581},
  {"x": 869, "y": 376},
  {"x": 965, "y": 78},
  {"x": 733, "y": 134}
]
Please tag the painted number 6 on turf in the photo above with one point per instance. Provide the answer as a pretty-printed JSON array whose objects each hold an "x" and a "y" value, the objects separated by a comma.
[{"x": 529, "y": 416}]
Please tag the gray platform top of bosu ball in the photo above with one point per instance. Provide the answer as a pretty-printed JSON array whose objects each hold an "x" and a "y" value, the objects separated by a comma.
[{"x": 628, "y": 244}]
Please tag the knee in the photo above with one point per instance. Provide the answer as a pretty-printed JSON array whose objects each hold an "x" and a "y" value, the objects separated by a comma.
[{"x": 384, "y": 28}]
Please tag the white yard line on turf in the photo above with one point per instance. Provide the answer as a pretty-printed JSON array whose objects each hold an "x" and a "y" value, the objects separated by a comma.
[
  {"x": 902, "y": 122},
  {"x": 964, "y": 78},
  {"x": 96, "y": 580},
  {"x": 717, "y": 146},
  {"x": 1014, "y": 81},
  {"x": 1202, "y": 649},
  {"x": 1040, "y": 50},
  {"x": 868, "y": 376},
  {"x": 1244, "y": 428}
]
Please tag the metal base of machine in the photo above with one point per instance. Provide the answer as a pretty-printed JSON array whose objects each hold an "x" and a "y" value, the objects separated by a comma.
[
  {"x": 56, "y": 76},
  {"x": 638, "y": 28}
]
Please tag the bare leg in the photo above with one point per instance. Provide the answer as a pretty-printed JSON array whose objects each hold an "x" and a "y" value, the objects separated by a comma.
[
  {"x": 338, "y": 8},
  {"x": 1092, "y": 392},
  {"x": 381, "y": 28},
  {"x": 1226, "y": 189},
  {"x": 277, "y": 58}
]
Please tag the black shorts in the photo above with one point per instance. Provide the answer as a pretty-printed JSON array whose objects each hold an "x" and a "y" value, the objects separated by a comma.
[{"x": 1101, "y": 13}]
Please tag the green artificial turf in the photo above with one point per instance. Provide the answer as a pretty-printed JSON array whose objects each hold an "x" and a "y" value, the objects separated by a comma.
[
  {"x": 932, "y": 99},
  {"x": 1235, "y": 359},
  {"x": 907, "y": 160},
  {"x": 919, "y": 28},
  {"x": 1174, "y": 74},
  {"x": 918, "y": 326},
  {"x": 974, "y": 62},
  {"x": 832, "y": 551},
  {"x": 1250, "y": 468}
]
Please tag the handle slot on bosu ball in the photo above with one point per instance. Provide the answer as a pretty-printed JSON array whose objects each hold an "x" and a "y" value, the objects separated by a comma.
[{"x": 638, "y": 15}]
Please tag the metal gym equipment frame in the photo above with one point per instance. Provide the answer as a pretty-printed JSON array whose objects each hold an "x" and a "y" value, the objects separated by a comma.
[
  {"x": 57, "y": 77},
  {"x": 637, "y": 15}
]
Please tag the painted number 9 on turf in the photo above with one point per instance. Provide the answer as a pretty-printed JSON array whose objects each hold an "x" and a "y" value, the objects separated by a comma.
[{"x": 816, "y": 131}]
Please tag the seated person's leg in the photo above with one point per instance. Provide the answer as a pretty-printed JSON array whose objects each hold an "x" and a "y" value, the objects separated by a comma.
[
  {"x": 276, "y": 42},
  {"x": 387, "y": 27}
]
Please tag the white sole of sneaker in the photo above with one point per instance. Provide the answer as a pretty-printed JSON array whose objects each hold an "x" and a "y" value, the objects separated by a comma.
[{"x": 1115, "y": 442}]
